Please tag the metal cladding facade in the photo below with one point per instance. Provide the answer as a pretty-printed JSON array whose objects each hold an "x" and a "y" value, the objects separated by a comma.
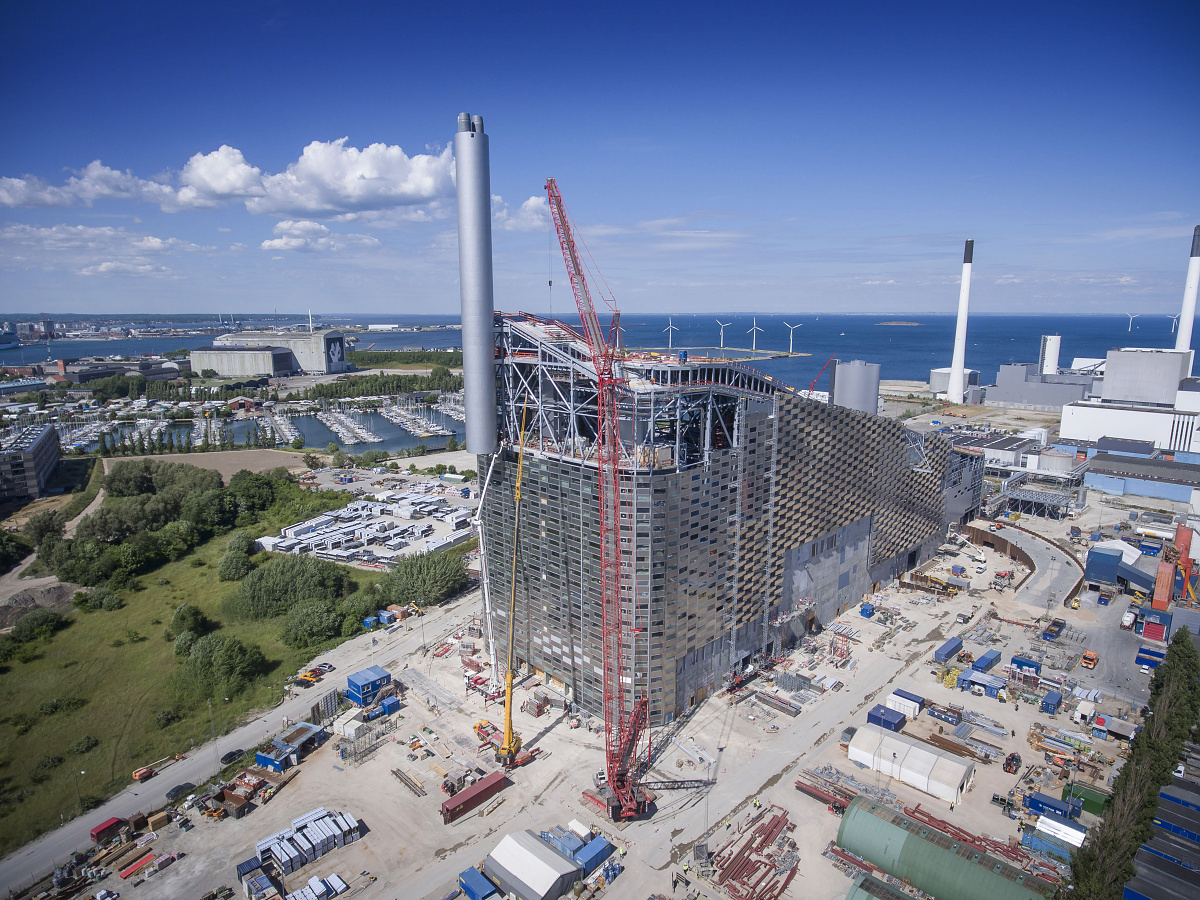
[
  {"x": 1187, "y": 315},
  {"x": 929, "y": 860},
  {"x": 855, "y": 385},
  {"x": 473, "y": 179},
  {"x": 958, "y": 384},
  {"x": 749, "y": 513}
]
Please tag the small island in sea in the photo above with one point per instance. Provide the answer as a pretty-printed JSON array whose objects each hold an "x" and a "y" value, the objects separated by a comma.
[{"x": 913, "y": 324}]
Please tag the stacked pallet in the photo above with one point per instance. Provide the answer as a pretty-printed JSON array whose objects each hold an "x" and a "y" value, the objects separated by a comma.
[{"x": 310, "y": 837}]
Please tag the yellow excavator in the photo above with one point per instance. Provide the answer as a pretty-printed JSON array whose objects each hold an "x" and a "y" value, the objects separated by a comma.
[{"x": 511, "y": 744}]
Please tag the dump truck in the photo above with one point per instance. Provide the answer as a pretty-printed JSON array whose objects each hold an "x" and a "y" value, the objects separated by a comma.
[{"x": 1090, "y": 658}]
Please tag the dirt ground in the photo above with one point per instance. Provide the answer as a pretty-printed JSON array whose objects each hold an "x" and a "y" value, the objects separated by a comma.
[{"x": 227, "y": 462}]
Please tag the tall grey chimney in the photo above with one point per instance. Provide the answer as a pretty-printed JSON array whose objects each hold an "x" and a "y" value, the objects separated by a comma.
[{"x": 472, "y": 172}]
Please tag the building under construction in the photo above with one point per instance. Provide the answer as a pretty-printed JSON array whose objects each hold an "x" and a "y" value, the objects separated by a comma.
[{"x": 750, "y": 514}]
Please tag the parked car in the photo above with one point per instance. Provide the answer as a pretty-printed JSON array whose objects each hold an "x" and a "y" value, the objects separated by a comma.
[
  {"x": 180, "y": 790},
  {"x": 326, "y": 667},
  {"x": 1145, "y": 670},
  {"x": 231, "y": 756}
]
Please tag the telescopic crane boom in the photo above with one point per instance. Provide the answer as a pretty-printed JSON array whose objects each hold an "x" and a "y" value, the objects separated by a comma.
[
  {"x": 625, "y": 724},
  {"x": 511, "y": 744}
]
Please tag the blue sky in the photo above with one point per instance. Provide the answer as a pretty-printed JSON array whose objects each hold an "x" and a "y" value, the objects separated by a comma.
[{"x": 727, "y": 157}]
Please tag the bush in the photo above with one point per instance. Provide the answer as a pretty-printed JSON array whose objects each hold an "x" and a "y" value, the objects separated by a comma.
[
  {"x": 217, "y": 665},
  {"x": 166, "y": 718},
  {"x": 97, "y": 598},
  {"x": 37, "y": 623},
  {"x": 183, "y": 643},
  {"x": 269, "y": 590},
  {"x": 88, "y": 802},
  {"x": 428, "y": 578},
  {"x": 70, "y": 704},
  {"x": 310, "y": 624},
  {"x": 43, "y": 524},
  {"x": 234, "y": 566},
  {"x": 196, "y": 562},
  {"x": 84, "y": 744},
  {"x": 47, "y": 708},
  {"x": 188, "y": 618},
  {"x": 43, "y": 767},
  {"x": 240, "y": 542},
  {"x": 21, "y": 722}
]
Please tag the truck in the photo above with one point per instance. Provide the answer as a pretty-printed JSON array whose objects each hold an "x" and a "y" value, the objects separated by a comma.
[
  {"x": 1090, "y": 658},
  {"x": 1054, "y": 629},
  {"x": 958, "y": 570},
  {"x": 1128, "y": 619}
]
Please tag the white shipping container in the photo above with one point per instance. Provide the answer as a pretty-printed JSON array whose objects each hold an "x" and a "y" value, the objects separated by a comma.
[{"x": 901, "y": 704}]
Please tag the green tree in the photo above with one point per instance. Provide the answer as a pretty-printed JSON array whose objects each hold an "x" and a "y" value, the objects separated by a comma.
[
  {"x": 428, "y": 578},
  {"x": 234, "y": 566},
  {"x": 298, "y": 443},
  {"x": 271, "y": 589},
  {"x": 188, "y": 617},
  {"x": 309, "y": 624},
  {"x": 44, "y": 523}
]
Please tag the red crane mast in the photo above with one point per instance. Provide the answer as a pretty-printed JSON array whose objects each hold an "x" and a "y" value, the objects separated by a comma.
[{"x": 624, "y": 725}]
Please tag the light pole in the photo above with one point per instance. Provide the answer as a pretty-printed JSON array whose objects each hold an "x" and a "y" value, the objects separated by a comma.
[
  {"x": 213, "y": 729},
  {"x": 79, "y": 796}
]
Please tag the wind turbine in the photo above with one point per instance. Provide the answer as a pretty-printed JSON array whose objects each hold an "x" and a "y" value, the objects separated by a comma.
[
  {"x": 1174, "y": 321},
  {"x": 1132, "y": 316},
  {"x": 791, "y": 334},
  {"x": 669, "y": 330},
  {"x": 753, "y": 332},
  {"x": 723, "y": 324}
]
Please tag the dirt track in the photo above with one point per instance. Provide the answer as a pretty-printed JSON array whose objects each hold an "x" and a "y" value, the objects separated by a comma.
[{"x": 227, "y": 462}]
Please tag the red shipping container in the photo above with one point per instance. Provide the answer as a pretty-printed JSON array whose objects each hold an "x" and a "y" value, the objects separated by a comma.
[
  {"x": 466, "y": 800},
  {"x": 107, "y": 829},
  {"x": 1164, "y": 586}
]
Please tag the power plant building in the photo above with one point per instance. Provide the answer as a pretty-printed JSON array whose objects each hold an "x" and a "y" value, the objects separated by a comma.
[
  {"x": 749, "y": 513},
  {"x": 315, "y": 352}
]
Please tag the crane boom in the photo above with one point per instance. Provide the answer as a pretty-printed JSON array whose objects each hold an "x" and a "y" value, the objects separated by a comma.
[
  {"x": 623, "y": 727},
  {"x": 511, "y": 744}
]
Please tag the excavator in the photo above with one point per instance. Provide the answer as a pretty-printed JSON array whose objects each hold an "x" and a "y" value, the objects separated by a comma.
[{"x": 510, "y": 746}]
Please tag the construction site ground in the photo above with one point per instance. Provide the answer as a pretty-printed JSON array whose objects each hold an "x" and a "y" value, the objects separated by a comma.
[{"x": 757, "y": 753}]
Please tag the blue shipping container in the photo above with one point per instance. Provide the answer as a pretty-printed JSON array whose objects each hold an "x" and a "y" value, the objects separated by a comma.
[
  {"x": 1047, "y": 805},
  {"x": 1150, "y": 651},
  {"x": 884, "y": 717},
  {"x": 1039, "y": 840},
  {"x": 1026, "y": 664},
  {"x": 912, "y": 698},
  {"x": 370, "y": 622},
  {"x": 596, "y": 852},
  {"x": 1177, "y": 820},
  {"x": 987, "y": 661},
  {"x": 1102, "y": 565},
  {"x": 363, "y": 687},
  {"x": 948, "y": 650},
  {"x": 475, "y": 885},
  {"x": 945, "y": 714},
  {"x": 1051, "y": 702},
  {"x": 390, "y": 705}
]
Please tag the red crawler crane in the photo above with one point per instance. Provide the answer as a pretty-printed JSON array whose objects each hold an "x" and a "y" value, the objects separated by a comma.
[{"x": 625, "y": 725}]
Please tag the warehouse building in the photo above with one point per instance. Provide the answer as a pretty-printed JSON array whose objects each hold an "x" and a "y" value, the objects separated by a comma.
[
  {"x": 938, "y": 773},
  {"x": 929, "y": 860},
  {"x": 245, "y": 362},
  {"x": 528, "y": 868},
  {"x": 27, "y": 462},
  {"x": 751, "y": 513},
  {"x": 316, "y": 352}
]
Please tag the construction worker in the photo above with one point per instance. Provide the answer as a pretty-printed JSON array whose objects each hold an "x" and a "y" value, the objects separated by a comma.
[{"x": 726, "y": 824}]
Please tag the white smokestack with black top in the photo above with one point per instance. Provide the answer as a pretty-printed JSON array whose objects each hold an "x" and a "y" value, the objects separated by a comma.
[
  {"x": 1187, "y": 315},
  {"x": 958, "y": 379}
]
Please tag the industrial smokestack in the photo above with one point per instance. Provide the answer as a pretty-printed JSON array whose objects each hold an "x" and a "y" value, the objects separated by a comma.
[
  {"x": 1183, "y": 337},
  {"x": 1051, "y": 348},
  {"x": 958, "y": 377},
  {"x": 473, "y": 176}
]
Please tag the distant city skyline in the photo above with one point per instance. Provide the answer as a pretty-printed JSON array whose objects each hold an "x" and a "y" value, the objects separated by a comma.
[{"x": 766, "y": 158}]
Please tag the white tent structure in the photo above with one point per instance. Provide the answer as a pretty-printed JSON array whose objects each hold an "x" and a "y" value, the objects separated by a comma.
[
  {"x": 526, "y": 866},
  {"x": 913, "y": 762}
]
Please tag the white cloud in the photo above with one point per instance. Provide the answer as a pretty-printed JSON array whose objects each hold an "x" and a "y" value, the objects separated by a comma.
[
  {"x": 306, "y": 236},
  {"x": 329, "y": 179},
  {"x": 90, "y": 250},
  {"x": 533, "y": 215},
  {"x": 889, "y": 281}
]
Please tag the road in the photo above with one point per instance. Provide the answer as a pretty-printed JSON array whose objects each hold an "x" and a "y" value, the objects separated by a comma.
[
  {"x": 39, "y": 857},
  {"x": 1055, "y": 571}
]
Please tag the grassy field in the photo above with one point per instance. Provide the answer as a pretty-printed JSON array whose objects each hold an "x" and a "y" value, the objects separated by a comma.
[{"x": 124, "y": 687}]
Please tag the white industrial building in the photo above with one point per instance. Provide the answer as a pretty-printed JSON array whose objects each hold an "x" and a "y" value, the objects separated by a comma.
[
  {"x": 244, "y": 362},
  {"x": 528, "y": 868},
  {"x": 322, "y": 352},
  {"x": 1147, "y": 394},
  {"x": 936, "y": 772}
]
